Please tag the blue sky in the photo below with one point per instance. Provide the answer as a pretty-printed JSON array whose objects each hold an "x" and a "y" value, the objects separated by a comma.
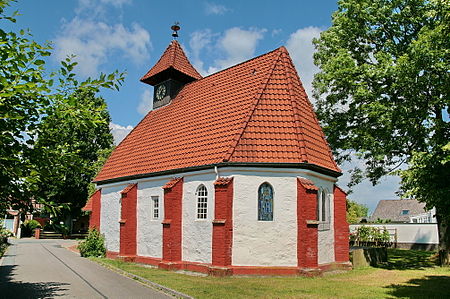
[{"x": 130, "y": 35}]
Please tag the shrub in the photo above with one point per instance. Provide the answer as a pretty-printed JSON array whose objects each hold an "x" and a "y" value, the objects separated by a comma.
[
  {"x": 4, "y": 234},
  {"x": 370, "y": 236},
  {"x": 93, "y": 245},
  {"x": 29, "y": 226}
]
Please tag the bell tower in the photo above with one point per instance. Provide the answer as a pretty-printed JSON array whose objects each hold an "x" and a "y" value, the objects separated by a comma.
[{"x": 172, "y": 71}]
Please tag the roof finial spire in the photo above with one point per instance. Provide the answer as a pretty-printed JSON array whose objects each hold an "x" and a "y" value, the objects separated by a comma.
[{"x": 175, "y": 27}]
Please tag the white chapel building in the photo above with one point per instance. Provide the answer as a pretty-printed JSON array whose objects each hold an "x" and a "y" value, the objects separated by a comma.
[{"x": 229, "y": 174}]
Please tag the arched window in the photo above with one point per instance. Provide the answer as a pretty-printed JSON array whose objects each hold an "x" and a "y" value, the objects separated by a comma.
[
  {"x": 265, "y": 202},
  {"x": 202, "y": 202}
]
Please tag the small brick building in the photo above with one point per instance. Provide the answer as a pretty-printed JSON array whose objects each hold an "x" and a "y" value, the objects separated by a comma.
[{"x": 228, "y": 174}]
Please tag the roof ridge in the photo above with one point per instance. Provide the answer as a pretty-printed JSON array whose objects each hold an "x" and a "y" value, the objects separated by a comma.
[
  {"x": 295, "y": 110},
  {"x": 258, "y": 95},
  {"x": 238, "y": 64}
]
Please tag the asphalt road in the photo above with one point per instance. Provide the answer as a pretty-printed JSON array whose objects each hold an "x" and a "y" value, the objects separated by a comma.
[{"x": 45, "y": 269}]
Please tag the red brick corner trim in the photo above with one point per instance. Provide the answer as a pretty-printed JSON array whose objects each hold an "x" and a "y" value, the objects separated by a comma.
[
  {"x": 94, "y": 205},
  {"x": 222, "y": 235},
  {"x": 307, "y": 225},
  {"x": 341, "y": 230},
  {"x": 128, "y": 221},
  {"x": 172, "y": 223}
]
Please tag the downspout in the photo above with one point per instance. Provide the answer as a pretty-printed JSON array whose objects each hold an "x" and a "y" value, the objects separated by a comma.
[{"x": 216, "y": 170}]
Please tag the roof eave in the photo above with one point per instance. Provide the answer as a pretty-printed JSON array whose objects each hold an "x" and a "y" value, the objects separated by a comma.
[{"x": 309, "y": 166}]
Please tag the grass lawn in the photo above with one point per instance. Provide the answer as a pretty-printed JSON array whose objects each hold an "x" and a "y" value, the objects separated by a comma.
[{"x": 408, "y": 274}]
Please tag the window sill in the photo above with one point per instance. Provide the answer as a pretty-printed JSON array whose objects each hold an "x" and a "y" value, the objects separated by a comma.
[
  {"x": 166, "y": 221},
  {"x": 312, "y": 222},
  {"x": 219, "y": 221}
]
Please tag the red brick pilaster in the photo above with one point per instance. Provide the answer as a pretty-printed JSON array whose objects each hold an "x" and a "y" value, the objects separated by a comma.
[
  {"x": 307, "y": 224},
  {"x": 341, "y": 234},
  {"x": 94, "y": 219},
  {"x": 222, "y": 235},
  {"x": 172, "y": 223},
  {"x": 128, "y": 221}
]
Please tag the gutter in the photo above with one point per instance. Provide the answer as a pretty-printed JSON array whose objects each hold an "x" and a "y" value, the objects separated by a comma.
[{"x": 308, "y": 166}]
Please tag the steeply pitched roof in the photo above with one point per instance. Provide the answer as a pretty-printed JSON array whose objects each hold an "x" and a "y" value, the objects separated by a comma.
[
  {"x": 253, "y": 112},
  {"x": 392, "y": 209},
  {"x": 173, "y": 57}
]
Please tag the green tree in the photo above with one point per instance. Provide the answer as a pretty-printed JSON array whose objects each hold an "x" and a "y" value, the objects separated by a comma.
[
  {"x": 23, "y": 95},
  {"x": 383, "y": 93},
  {"x": 355, "y": 211},
  {"x": 71, "y": 138},
  {"x": 39, "y": 110}
]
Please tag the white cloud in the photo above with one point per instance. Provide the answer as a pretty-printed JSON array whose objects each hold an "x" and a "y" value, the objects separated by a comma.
[
  {"x": 96, "y": 8},
  {"x": 238, "y": 45},
  {"x": 116, "y": 3},
  {"x": 146, "y": 103},
  {"x": 94, "y": 43},
  {"x": 198, "y": 41},
  {"x": 215, "y": 9},
  {"x": 275, "y": 32},
  {"x": 301, "y": 49},
  {"x": 235, "y": 45},
  {"x": 119, "y": 132}
]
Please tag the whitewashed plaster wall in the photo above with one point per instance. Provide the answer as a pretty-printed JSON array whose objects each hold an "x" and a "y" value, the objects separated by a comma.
[
  {"x": 110, "y": 216},
  {"x": 149, "y": 230},
  {"x": 410, "y": 233},
  {"x": 273, "y": 243},
  {"x": 264, "y": 243},
  {"x": 197, "y": 233}
]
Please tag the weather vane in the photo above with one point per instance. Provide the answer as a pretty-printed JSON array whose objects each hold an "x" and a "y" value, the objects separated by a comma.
[{"x": 175, "y": 27}]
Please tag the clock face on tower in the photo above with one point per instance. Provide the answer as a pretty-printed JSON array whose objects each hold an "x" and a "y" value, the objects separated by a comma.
[{"x": 160, "y": 92}]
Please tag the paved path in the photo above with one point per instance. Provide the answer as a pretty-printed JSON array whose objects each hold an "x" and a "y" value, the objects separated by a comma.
[{"x": 45, "y": 269}]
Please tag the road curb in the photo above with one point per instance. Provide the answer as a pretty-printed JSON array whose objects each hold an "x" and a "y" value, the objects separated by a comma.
[{"x": 145, "y": 281}]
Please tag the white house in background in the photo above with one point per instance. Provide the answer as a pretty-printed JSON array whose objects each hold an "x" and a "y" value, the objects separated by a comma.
[
  {"x": 404, "y": 211},
  {"x": 228, "y": 174}
]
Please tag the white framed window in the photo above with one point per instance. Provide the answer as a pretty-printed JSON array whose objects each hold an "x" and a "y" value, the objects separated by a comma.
[
  {"x": 202, "y": 202},
  {"x": 323, "y": 209},
  {"x": 155, "y": 207}
]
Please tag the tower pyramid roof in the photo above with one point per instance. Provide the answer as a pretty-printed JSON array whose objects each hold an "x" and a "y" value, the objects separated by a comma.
[{"x": 173, "y": 59}]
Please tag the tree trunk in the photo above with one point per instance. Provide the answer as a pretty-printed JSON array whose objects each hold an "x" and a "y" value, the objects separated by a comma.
[{"x": 444, "y": 239}]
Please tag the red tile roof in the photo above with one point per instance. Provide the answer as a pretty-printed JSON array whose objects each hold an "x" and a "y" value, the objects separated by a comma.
[
  {"x": 172, "y": 183},
  {"x": 127, "y": 188},
  {"x": 173, "y": 57},
  {"x": 223, "y": 181},
  {"x": 253, "y": 112},
  {"x": 88, "y": 205},
  {"x": 307, "y": 184}
]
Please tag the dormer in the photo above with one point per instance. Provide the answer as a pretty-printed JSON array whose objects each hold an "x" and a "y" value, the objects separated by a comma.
[{"x": 172, "y": 71}]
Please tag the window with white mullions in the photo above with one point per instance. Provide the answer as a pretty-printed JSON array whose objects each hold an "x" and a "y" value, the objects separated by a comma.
[
  {"x": 202, "y": 202},
  {"x": 323, "y": 209},
  {"x": 155, "y": 207}
]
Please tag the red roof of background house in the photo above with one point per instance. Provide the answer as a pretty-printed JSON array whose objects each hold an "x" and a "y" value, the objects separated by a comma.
[
  {"x": 256, "y": 111},
  {"x": 173, "y": 57}
]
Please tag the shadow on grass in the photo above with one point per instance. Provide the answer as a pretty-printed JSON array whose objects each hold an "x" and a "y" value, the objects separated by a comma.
[
  {"x": 399, "y": 259},
  {"x": 432, "y": 286}
]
